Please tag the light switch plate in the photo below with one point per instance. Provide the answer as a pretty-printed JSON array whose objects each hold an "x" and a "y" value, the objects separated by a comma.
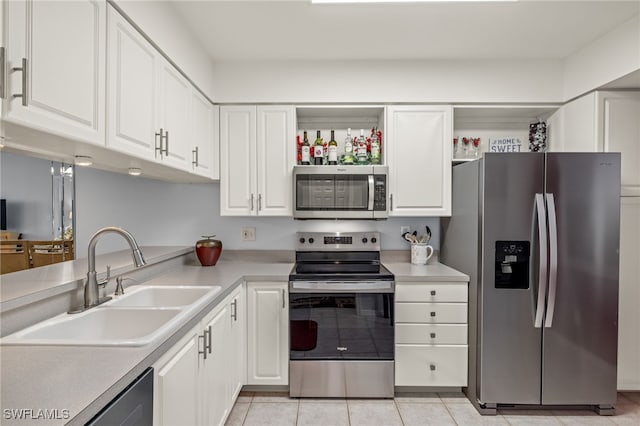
[{"x": 248, "y": 233}]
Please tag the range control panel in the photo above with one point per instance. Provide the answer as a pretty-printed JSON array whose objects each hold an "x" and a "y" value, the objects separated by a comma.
[{"x": 341, "y": 241}]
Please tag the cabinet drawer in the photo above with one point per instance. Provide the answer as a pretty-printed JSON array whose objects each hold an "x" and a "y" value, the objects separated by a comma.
[
  {"x": 435, "y": 292},
  {"x": 418, "y": 365},
  {"x": 431, "y": 313},
  {"x": 431, "y": 334}
]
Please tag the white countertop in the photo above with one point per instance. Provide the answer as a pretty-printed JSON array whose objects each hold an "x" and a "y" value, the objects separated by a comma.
[{"x": 84, "y": 379}]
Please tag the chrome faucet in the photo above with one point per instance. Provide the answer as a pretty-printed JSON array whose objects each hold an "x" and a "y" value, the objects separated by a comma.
[{"x": 91, "y": 292}]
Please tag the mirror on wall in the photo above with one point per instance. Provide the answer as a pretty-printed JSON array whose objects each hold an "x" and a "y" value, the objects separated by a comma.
[{"x": 37, "y": 207}]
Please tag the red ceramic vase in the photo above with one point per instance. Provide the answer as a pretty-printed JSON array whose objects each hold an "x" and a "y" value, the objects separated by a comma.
[{"x": 208, "y": 250}]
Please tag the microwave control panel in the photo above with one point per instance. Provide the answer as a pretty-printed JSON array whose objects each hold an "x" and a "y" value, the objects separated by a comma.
[{"x": 380, "y": 192}]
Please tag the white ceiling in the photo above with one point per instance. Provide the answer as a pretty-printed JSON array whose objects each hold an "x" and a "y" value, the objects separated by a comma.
[{"x": 240, "y": 30}]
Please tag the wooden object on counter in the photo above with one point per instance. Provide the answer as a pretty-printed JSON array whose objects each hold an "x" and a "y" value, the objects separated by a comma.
[{"x": 48, "y": 252}]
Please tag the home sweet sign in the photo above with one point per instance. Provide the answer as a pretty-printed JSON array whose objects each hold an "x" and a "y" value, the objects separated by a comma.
[{"x": 507, "y": 144}]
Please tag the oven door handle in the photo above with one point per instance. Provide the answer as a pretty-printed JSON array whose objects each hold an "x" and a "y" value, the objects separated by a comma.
[{"x": 341, "y": 286}]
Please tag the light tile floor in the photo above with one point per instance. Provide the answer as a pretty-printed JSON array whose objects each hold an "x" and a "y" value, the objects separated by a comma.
[{"x": 258, "y": 408}]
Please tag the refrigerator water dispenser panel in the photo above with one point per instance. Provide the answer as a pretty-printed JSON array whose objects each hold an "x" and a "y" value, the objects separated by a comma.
[{"x": 512, "y": 264}]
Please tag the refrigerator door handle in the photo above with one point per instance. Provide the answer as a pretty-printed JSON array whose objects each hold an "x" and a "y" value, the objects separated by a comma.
[
  {"x": 541, "y": 218},
  {"x": 553, "y": 260}
]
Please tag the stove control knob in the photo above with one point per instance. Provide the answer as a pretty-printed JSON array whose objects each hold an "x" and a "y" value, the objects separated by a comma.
[
  {"x": 364, "y": 241},
  {"x": 301, "y": 240},
  {"x": 374, "y": 240},
  {"x": 311, "y": 240}
]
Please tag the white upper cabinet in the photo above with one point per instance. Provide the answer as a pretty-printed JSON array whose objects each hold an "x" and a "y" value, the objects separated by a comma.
[
  {"x": 175, "y": 104},
  {"x": 133, "y": 112},
  {"x": 55, "y": 60},
  {"x": 256, "y": 160},
  {"x": 419, "y": 159},
  {"x": 205, "y": 138}
]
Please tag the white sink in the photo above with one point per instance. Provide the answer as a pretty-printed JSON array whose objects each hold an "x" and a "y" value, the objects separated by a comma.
[
  {"x": 99, "y": 327},
  {"x": 141, "y": 316},
  {"x": 162, "y": 296}
]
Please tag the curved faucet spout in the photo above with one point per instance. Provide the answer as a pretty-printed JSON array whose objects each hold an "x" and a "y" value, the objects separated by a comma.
[{"x": 91, "y": 294}]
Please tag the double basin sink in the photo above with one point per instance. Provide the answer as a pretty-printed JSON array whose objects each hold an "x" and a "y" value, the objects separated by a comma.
[{"x": 144, "y": 314}]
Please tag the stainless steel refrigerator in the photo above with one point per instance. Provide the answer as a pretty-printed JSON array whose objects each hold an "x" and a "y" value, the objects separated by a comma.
[{"x": 538, "y": 234}]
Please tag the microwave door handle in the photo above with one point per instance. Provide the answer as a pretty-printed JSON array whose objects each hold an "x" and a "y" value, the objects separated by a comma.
[{"x": 371, "y": 193}]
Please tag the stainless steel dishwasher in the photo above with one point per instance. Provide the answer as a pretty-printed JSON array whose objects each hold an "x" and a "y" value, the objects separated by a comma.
[{"x": 133, "y": 406}]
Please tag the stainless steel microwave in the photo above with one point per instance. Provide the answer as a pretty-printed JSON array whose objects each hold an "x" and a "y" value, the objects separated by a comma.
[{"x": 340, "y": 192}]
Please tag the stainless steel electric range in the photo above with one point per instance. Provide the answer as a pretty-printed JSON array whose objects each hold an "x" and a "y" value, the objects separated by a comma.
[{"x": 340, "y": 317}]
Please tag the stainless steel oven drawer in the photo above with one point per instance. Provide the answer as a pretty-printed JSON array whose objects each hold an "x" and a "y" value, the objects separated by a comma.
[{"x": 341, "y": 379}]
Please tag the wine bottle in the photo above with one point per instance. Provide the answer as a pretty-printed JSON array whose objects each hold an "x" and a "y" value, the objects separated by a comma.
[
  {"x": 375, "y": 147},
  {"x": 347, "y": 158},
  {"x": 306, "y": 150},
  {"x": 318, "y": 150},
  {"x": 333, "y": 150}
]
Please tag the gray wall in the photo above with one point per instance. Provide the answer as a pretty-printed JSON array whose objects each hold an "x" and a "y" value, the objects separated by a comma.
[
  {"x": 160, "y": 213},
  {"x": 25, "y": 182}
]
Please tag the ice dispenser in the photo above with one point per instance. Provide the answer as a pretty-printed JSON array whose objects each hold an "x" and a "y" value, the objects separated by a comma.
[{"x": 512, "y": 264}]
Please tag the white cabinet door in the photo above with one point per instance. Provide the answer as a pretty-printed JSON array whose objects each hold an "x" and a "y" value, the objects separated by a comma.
[
  {"x": 237, "y": 342},
  {"x": 216, "y": 374},
  {"x": 205, "y": 142},
  {"x": 63, "y": 47},
  {"x": 132, "y": 87},
  {"x": 621, "y": 133},
  {"x": 176, "y": 384},
  {"x": 237, "y": 160},
  {"x": 175, "y": 105},
  {"x": 267, "y": 334},
  {"x": 629, "y": 296},
  {"x": 419, "y": 157},
  {"x": 275, "y": 159}
]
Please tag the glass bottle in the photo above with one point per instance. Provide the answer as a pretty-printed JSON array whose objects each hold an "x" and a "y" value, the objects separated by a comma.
[
  {"x": 375, "y": 147},
  {"x": 333, "y": 151},
  {"x": 318, "y": 150},
  {"x": 361, "y": 153},
  {"x": 347, "y": 158},
  {"x": 306, "y": 150}
]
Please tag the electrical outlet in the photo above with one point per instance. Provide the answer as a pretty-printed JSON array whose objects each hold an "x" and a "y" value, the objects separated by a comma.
[
  {"x": 248, "y": 233},
  {"x": 404, "y": 229}
]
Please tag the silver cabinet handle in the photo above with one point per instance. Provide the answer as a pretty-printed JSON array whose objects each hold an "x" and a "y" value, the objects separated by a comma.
[
  {"x": 259, "y": 201},
  {"x": 283, "y": 302},
  {"x": 234, "y": 310},
  {"x": 22, "y": 95},
  {"x": 159, "y": 146},
  {"x": 391, "y": 202},
  {"x": 251, "y": 202},
  {"x": 432, "y": 367},
  {"x": 432, "y": 335},
  {"x": 194, "y": 160},
  {"x": 2, "y": 72},
  {"x": 208, "y": 331},
  {"x": 203, "y": 352},
  {"x": 539, "y": 212},
  {"x": 553, "y": 260},
  {"x": 166, "y": 143}
]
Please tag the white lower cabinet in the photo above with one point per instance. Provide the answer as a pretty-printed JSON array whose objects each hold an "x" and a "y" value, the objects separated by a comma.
[
  {"x": 431, "y": 334},
  {"x": 267, "y": 333},
  {"x": 193, "y": 382}
]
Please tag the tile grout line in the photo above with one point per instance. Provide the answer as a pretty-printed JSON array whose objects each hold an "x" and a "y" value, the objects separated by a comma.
[
  {"x": 446, "y": 407},
  {"x": 395, "y": 404}
]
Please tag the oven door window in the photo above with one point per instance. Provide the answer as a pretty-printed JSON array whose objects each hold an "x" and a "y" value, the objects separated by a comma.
[
  {"x": 339, "y": 326},
  {"x": 329, "y": 192}
]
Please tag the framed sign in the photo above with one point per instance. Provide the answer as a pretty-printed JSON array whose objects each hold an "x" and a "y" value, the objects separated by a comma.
[{"x": 506, "y": 144}]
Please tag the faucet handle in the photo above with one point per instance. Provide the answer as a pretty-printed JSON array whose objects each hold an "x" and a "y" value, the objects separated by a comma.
[
  {"x": 107, "y": 278},
  {"x": 119, "y": 289}
]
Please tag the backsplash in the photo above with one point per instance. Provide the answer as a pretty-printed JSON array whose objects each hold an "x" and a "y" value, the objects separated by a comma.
[{"x": 161, "y": 213}]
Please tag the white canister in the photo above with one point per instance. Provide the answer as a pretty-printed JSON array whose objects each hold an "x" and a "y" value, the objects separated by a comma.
[{"x": 420, "y": 253}]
